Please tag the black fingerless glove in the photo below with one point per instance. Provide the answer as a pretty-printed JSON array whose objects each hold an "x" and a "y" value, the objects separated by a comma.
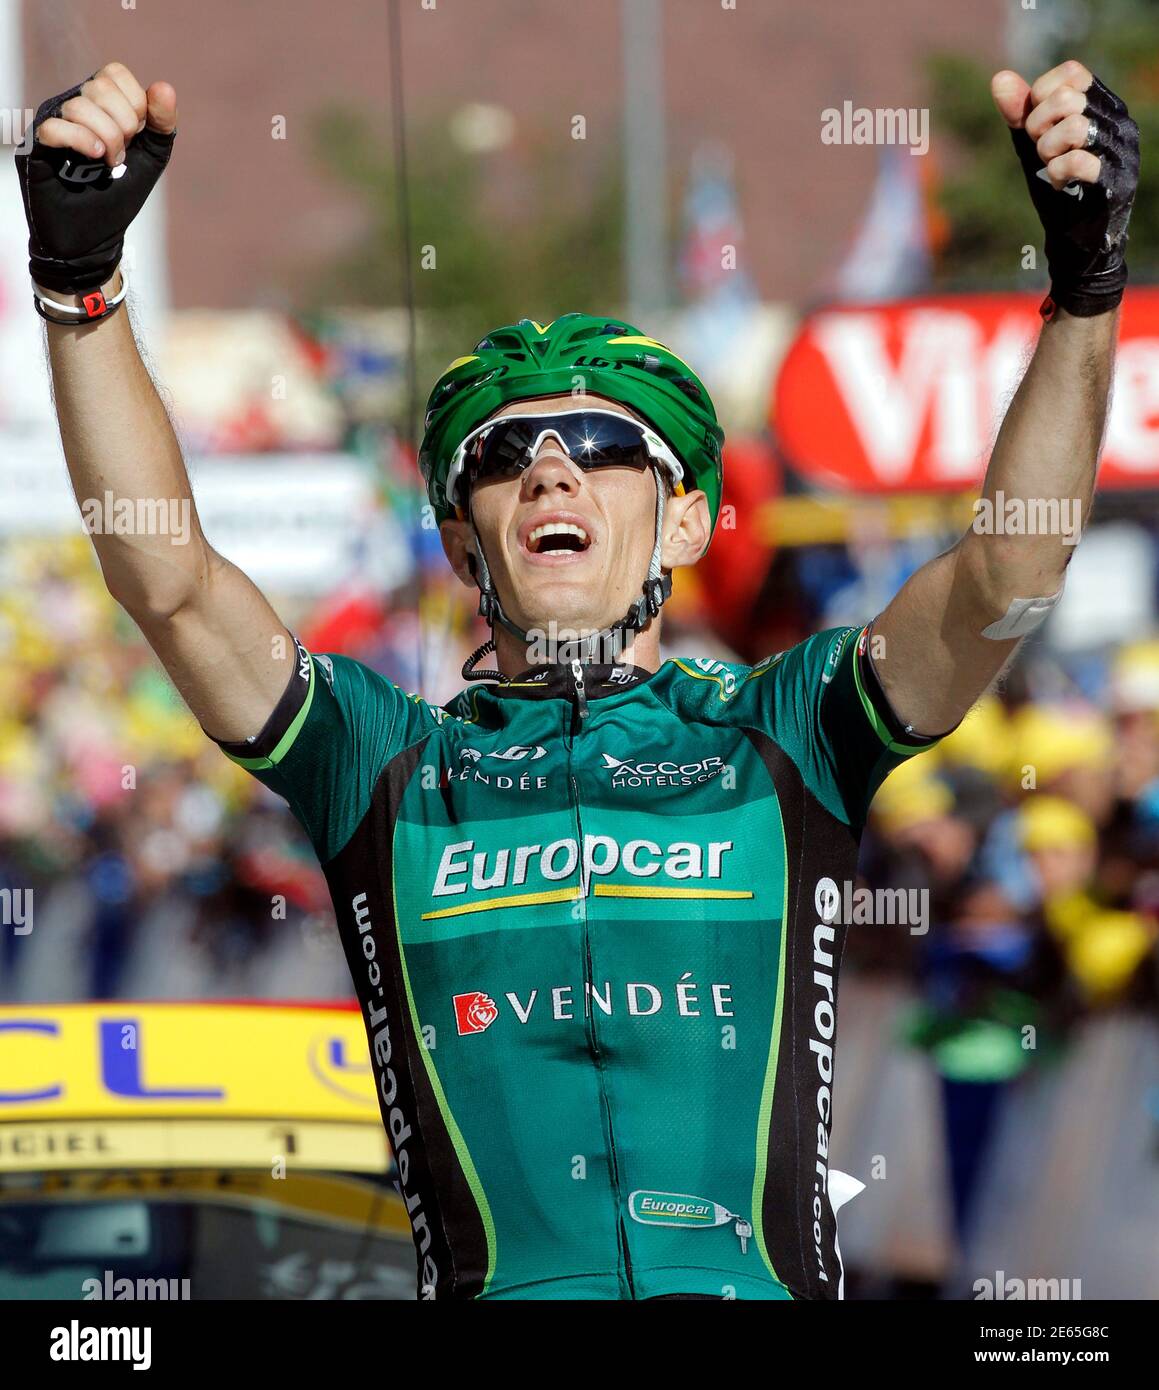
[
  {"x": 79, "y": 209},
  {"x": 1086, "y": 224}
]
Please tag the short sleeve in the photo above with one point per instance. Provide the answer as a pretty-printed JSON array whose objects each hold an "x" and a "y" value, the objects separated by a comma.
[
  {"x": 324, "y": 747},
  {"x": 827, "y": 710}
]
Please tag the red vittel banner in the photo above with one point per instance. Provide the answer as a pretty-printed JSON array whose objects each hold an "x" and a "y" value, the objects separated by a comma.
[{"x": 908, "y": 396}]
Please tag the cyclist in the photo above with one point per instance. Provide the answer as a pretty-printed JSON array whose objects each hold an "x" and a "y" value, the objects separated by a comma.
[{"x": 592, "y": 909}]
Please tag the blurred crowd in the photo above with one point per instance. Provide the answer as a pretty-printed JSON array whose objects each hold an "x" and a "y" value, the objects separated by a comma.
[
  {"x": 1032, "y": 833},
  {"x": 155, "y": 866}
]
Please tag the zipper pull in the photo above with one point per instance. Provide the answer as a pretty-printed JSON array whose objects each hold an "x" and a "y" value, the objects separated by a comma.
[
  {"x": 743, "y": 1230},
  {"x": 581, "y": 698}
]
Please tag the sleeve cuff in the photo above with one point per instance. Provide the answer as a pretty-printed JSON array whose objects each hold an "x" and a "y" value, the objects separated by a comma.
[
  {"x": 267, "y": 748},
  {"x": 892, "y": 730}
]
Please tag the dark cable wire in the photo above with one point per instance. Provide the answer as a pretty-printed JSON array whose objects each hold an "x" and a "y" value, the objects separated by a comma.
[
  {"x": 398, "y": 112},
  {"x": 402, "y": 201}
]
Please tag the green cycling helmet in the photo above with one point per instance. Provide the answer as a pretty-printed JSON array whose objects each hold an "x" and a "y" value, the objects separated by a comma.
[{"x": 605, "y": 357}]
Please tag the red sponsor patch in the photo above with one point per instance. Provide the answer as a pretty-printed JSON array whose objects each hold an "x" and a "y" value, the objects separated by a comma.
[{"x": 474, "y": 1012}]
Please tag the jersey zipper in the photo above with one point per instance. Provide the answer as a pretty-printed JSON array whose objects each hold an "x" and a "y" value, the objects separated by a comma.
[
  {"x": 581, "y": 695},
  {"x": 578, "y": 717}
]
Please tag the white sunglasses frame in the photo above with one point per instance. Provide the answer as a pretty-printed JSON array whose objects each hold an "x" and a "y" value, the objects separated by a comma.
[{"x": 656, "y": 447}]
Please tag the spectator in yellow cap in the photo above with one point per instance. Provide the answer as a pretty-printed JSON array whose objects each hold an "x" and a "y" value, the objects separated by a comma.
[
  {"x": 1104, "y": 949},
  {"x": 914, "y": 811},
  {"x": 1061, "y": 841},
  {"x": 1056, "y": 750},
  {"x": 1067, "y": 751}
]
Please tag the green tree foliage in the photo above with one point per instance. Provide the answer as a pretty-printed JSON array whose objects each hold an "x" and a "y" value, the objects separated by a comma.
[
  {"x": 528, "y": 232},
  {"x": 981, "y": 188}
]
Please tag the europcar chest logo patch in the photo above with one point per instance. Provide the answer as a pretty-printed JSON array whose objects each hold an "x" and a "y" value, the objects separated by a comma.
[
  {"x": 683, "y": 1210},
  {"x": 674, "y": 1209}
]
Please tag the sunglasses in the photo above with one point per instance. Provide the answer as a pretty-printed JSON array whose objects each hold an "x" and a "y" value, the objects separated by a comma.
[{"x": 592, "y": 439}]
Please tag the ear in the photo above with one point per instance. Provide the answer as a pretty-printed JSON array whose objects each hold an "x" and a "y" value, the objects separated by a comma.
[
  {"x": 687, "y": 529},
  {"x": 458, "y": 538}
]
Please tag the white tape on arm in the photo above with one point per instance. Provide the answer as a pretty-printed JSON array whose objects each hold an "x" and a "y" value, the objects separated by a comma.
[{"x": 1022, "y": 617}]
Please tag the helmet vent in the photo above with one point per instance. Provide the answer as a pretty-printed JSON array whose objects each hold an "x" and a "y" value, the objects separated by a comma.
[{"x": 511, "y": 345}]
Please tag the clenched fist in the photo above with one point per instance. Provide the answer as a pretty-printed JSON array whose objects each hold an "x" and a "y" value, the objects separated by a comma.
[
  {"x": 96, "y": 152},
  {"x": 1080, "y": 151}
]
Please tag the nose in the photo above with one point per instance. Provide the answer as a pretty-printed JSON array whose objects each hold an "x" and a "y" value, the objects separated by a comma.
[{"x": 550, "y": 468}]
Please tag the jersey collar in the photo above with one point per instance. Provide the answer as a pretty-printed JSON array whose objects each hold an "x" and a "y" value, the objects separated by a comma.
[{"x": 556, "y": 682}]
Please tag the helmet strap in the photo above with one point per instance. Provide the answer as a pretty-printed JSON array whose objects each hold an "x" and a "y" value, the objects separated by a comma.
[{"x": 657, "y": 589}]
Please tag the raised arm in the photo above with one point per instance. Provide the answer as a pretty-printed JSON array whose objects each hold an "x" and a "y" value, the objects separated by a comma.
[
  {"x": 222, "y": 644},
  {"x": 957, "y": 621}
]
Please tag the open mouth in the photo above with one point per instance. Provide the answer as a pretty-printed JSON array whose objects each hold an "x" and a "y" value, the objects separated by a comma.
[{"x": 558, "y": 536}]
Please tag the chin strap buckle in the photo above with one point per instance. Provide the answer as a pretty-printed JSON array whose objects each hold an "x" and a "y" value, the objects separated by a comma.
[{"x": 656, "y": 593}]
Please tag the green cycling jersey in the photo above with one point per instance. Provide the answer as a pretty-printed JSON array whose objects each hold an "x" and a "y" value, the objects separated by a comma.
[{"x": 591, "y": 919}]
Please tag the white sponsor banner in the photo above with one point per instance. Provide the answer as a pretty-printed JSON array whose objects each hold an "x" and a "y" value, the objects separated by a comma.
[
  {"x": 1110, "y": 588},
  {"x": 25, "y": 399},
  {"x": 23, "y": 376},
  {"x": 295, "y": 523}
]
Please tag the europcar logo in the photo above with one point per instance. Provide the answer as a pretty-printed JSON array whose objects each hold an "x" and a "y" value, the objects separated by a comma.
[
  {"x": 684, "y": 1210},
  {"x": 671, "y": 1209},
  {"x": 474, "y": 1012}
]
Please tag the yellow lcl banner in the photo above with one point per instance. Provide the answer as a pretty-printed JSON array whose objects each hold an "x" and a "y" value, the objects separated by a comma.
[{"x": 133, "y": 1061}]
